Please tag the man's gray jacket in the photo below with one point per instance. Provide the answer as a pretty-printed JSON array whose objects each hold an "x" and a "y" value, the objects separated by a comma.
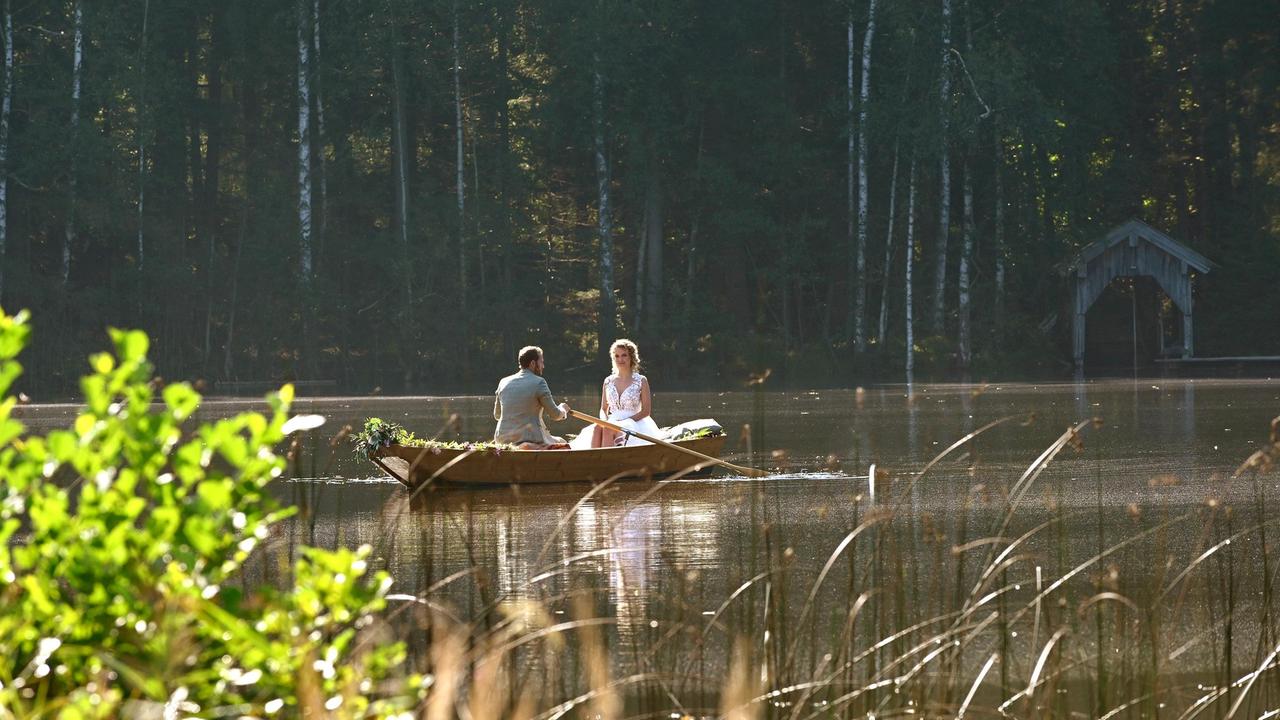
[{"x": 518, "y": 407}]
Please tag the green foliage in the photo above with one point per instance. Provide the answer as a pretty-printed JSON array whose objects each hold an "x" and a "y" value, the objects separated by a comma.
[
  {"x": 702, "y": 432},
  {"x": 379, "y": 433},
  {"x": 707, "y": 432},
  {"x": 120, "y": 541}
]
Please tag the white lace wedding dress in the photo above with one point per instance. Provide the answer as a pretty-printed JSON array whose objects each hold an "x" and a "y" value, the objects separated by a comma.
[{"x": 622, "y": 405}]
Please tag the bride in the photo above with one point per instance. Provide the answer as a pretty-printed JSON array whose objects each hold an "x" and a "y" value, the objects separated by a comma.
[{"x": 624, "y": 401}]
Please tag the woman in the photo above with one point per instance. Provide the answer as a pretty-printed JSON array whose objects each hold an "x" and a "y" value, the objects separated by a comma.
[{"x": 624, "y": 401}]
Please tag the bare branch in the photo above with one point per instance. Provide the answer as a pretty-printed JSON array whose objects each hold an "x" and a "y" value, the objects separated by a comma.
[{"x": 977, "y": 96}]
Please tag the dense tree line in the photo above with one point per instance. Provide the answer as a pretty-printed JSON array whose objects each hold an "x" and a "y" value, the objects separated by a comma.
[{"x": 400, "y": 193}]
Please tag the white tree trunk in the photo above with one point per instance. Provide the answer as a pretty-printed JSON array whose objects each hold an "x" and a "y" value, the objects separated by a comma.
[
  {"x": 400, "y": 169},
  {"x": 320, "y": 135},
  {"x": 6, "y": 103},
  {"x": 461, "y": 165},
  {"x": 888, "y": 252},
  {"x": 604, "y": 225},
  {"x": 962, "y": 277},
  {"x": 304, "y": 143},
  {"x": 142, "y": 138},
  {"x": 944, "y": 173},
  {"x": 851, "y": 324},
  {"x": 909, "y": 255},
  {"x": 864, "y": 98},
  {"x": 965, "y": 330},
  {"x": 77, "y": 69}
]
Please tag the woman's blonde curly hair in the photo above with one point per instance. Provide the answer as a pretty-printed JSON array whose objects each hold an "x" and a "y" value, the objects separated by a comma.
[{"x": 631, "y": 349}]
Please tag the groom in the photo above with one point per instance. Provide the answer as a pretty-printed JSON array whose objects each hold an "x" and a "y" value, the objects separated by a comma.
[{"x": 520, "y": 401}]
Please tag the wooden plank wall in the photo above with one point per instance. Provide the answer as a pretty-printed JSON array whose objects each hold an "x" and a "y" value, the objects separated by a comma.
[{"x": 1133, "y": 257}]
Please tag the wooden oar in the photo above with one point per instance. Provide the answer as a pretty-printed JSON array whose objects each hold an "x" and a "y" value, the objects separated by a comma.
[{"x": 749, "y": 472}]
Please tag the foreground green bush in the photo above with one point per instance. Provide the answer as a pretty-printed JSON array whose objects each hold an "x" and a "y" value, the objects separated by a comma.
[{"x": 121, "y": 543}]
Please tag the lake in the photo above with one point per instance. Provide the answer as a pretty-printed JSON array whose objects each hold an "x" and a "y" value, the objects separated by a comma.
[{"x": 1128, "y": 572}]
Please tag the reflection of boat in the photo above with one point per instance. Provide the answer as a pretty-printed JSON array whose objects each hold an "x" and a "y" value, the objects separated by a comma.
[{"x": 413, "y": 465}]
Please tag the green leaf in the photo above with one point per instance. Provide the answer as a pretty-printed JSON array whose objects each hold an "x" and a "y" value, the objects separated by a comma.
[
  {"x": 216, "y": 493},
  {"x": 102, "y": 363},
  {"x": 84, "y": 425},
  {"x": 131, "y": 345},
  {"x": 9, "y": 371},
  {"x": 13, "y": 334},
  {"x": 182, "y": 400}
]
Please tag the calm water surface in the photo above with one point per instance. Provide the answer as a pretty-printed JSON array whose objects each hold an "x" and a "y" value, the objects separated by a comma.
[{"x": 667, "y": 563}]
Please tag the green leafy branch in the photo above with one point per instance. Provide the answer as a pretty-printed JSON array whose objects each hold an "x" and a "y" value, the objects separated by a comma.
[{"x": 119, "y": 541}]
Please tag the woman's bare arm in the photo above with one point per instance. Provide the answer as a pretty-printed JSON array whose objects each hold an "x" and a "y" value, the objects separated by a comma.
[{"x": 645, "y": 403}]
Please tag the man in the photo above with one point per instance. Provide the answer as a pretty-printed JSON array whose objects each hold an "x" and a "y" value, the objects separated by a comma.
[{"x": 520, "y": 401}]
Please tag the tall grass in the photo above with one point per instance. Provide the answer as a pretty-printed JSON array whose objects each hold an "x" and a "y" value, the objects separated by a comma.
[{"x": 1022, "y": 601}]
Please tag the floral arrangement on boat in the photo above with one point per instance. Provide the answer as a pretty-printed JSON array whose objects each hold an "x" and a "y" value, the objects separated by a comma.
[
  {"x": 693, "y": 430},
  {"x": 379, "y": 433}
]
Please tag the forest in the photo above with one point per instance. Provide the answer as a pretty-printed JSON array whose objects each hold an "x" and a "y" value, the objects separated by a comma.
[{"x": 390, "y": 196}]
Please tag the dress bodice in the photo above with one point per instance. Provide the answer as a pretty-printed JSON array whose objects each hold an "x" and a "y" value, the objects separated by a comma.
[{"x": 627, "y": 402}]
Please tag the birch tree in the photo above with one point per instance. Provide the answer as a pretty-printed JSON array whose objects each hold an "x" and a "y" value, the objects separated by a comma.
[
  {"x": 142, "y": 139},
  {"x": 909, "y": 261},
  {"x": 965, "y": 332},
  {"x": 962, "y": 274},
  {"x": 882, "y": 328},
  {"x": 400, "y": 163},
  {"x": 6, "y": 103},
  {"x": 604, "y": 226},
  {"x": 851, "y": 209},
  {"x": 501, "y": 176},
  {"x": 461, "y": 166},
  {"x": 320, "y": 136},
  {"x": 967, "y": 248},
  {"x": 304, "y": 144},
  {"x": 998, "y": 232},
  {"x": 77, "y": 68},
  {"x": 864, "y": 97},
  {"x": 944, "y": 174}
]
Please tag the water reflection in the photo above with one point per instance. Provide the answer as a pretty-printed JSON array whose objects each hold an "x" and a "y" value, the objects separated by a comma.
[
  {"x": 1188, "y": 411},
  {"x": 1081, "y": 390}
]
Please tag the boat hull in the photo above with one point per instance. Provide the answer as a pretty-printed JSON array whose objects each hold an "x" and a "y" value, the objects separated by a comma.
[{"x": 413, "y": 466}]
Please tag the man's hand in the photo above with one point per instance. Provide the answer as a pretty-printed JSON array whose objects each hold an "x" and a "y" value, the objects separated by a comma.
[{"x": 564, "y": 408}]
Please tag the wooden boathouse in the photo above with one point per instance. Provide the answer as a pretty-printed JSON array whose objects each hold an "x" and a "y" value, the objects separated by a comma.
[{"x": 1135, "y": 249}]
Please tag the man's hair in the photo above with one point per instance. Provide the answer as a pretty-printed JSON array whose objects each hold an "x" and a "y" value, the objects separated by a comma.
[{"x": 528, "y": 354}]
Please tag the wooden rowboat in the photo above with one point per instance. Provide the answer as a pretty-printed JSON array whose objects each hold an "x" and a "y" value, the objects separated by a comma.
[{"x": 415, "y": 465}]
